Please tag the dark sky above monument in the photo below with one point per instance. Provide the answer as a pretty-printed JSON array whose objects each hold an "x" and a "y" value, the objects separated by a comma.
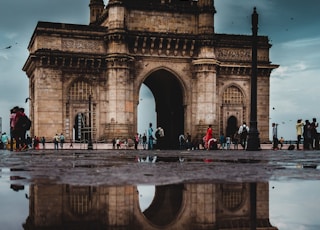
[{"x": 292, "y": 27}]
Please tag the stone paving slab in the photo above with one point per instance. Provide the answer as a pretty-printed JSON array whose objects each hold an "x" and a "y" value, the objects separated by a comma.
[{"x": 120, "y": 167}]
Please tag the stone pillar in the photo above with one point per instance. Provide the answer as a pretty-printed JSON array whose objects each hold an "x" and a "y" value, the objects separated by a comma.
[
  {"x": 203, "y": 205},
  {"x": 204, "y": 96},
  {"x": 121, "y": 207},
  {"x": 121, "y": 109}
]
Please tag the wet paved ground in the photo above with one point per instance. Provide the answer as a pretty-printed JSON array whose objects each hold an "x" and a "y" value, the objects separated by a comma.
[{"x": 120, "y": 167}]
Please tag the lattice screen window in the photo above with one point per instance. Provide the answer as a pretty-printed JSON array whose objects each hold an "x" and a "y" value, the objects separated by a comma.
[
  {"x": 80, "y": 199},
  {"x": 232, "y": 95},
  {"x": 80, "y": 91}
]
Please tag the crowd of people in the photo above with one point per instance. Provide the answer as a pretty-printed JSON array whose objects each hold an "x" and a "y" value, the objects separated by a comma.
[
  {"x": 147, "y": 140},
  {"x": 19, "y": 139},
  {"x": 240, "y": 136},
  {"x": 19, "y": 125},
  {"x": 307, "y": 132}
]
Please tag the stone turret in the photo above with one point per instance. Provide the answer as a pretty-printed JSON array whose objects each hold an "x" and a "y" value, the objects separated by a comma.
[
  {"x": 206, "y": 16},
  {"x": 96, "y": 9}
]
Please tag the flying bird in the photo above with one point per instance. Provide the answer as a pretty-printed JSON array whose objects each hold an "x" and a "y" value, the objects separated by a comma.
[{"x": 28, "y": 98}]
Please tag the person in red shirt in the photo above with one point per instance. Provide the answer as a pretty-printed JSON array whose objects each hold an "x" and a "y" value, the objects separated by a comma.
[{"x": 208, "y": 136}]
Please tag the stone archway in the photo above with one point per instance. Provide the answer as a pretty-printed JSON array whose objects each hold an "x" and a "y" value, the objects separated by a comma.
[
  {"x": 168, "y": 96},
  {"x": 117, "y": 50},
  {"x": 166, "y": 204}
]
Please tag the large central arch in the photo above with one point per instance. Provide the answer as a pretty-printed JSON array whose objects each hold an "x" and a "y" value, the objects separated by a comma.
[{"x": 168, "y": 95}]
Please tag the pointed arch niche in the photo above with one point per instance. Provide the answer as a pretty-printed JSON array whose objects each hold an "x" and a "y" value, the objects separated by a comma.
[
  {"x": 77, "y": 111},
  {"x": 232, "y": 109}
]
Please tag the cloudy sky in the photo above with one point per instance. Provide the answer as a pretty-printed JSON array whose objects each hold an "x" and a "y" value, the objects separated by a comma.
[{"x": 292, "y": 26}]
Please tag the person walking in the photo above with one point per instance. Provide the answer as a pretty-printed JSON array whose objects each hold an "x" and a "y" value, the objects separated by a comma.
[
  {"x": 222, "y": 141},
  {"x": 4, "y": 140},
  {"x": 22, "y": 124},
  {"x": 136, "y": 141},
  {"x": 182, "y": 141},
  {"x": 56, "y": 140},
  {"x": 235, "y": 140},
  {"x": 61, "y": 140},
  {"x": 299, "y": 127},
  {"x": 307, "y": 145},
  {"x": 36, "y": 142},
  {"x": 150, "y": 137},
  {"x": 43, "y": 142},
  {"x": 275, "y": 140},
  {"x": 208, "y": 137},
  {"x": 118, "y": 143},
  {"x": 281, "y": 141},
  {"x": 314, "y": 134},
  {"x": 144, "y": 141},
  {"x": 243, "y": 132},
  {"x": 160, "y": 137},
  {"x": 228, "y": 142},
  {"x": 13, "y": 112}
]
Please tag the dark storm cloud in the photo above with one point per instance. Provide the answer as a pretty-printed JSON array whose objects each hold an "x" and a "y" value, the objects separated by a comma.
[
  {"x": 18, "y": 20},
  {"x": 22, "y": 15},
  {"x": 279, "y": 19}
]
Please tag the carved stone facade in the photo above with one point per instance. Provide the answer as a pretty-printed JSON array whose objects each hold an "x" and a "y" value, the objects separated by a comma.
[{"x": 198, "y": 77}]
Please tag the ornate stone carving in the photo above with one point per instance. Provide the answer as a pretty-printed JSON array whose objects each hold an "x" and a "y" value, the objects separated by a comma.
[
  {"x": 225, "y": 54},
  {"x": 81, "y": 45}
]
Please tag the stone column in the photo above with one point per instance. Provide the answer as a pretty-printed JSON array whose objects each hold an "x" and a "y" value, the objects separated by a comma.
[
  {"x": 204, "y": 96},
  {"x": 120, "y": 108},
  {"x": 203, "y": 205},
  {"x": 121, "y": 207},
  {"x": 120, "y": 101}
]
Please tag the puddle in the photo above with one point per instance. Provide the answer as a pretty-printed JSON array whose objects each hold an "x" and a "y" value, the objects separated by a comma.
[
  {"x": 295, "y": 204},
  {"x": 45, "y": 204},
  {"x": 160, "y": 191}
]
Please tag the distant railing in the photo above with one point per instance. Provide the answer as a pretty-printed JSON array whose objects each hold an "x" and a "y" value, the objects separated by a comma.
[{"x": 291, "y": 142}]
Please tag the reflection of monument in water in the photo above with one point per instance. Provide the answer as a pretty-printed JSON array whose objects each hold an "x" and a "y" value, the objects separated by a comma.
[{"x": 183, "y": 206}]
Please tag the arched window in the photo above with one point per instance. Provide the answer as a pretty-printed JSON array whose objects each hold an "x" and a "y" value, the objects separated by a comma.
[
  {"x": 80, "y": 91},
  {"x": 232, "y": 95}
]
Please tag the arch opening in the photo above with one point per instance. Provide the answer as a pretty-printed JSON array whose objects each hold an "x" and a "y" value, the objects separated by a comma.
[
  {"x": 169, "y": 109},
  {"x": 166, "y": 204},
  {"x": 232, "y": 126}
]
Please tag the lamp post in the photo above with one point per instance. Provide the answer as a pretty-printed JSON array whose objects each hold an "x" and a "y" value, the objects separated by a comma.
[
  {"x": 254, "y": 140},
  {"x": 90, "y": 146}
]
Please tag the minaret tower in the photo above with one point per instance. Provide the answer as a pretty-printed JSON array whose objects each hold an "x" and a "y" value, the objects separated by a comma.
[{"x": 96, "y": 9}]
